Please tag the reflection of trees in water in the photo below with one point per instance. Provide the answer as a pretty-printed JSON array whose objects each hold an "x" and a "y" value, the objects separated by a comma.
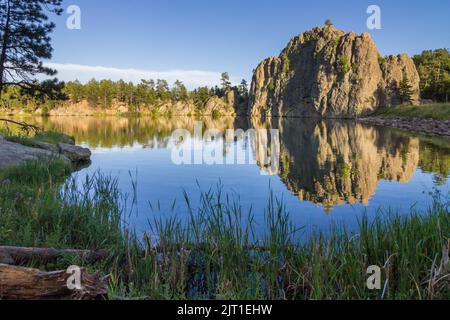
[
  {"x": 108, "y": 132},
  {"x": 435, "y": 158}
]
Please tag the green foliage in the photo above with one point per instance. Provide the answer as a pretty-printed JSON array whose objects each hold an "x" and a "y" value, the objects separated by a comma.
[
  {"x": 37, "y": 95},
  {"x": 179, "y": 91},
  {"x": 225, "y": 79},
  {"x": 74, "y": 90},
  {"x": 434, "y": 71},
  {"x": 51, "y": 137},
  {"x": 212, "y": 254},
  {"x": 39, "y": 209},
  {"x": 105, "y": 93},
  {"x": 271, "y": 86},
  {"x": 25, "y": 40},
  {"x": 243, "y": 89},
  {"x": 286, "y": 68},
  {"x": 430, "y": 111},
  {"x": 433, "y": 161},
  {"x": 405, "y": 91},
  {"x": 201, "y": 96},
  {"x": 54, "y": 137},
  {"x": 381, "y": 60},
  {"x": 329, "y": 52},
  {"x": 343, "y": 65},
  {"x": 336, "y": 41}
]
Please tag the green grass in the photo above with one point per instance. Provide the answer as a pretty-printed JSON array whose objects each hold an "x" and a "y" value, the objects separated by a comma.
[
  {"x": 54, "y": 137},
  {"x": 211, "y": 255},
  {"x": 33, "y": 141},
  {"x": 430, "y": 111}
]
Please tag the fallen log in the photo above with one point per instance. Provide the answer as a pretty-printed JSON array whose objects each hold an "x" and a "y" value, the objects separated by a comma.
[
  {"x": 18, "y": 283},
  {"x": 19, "y": 255}
]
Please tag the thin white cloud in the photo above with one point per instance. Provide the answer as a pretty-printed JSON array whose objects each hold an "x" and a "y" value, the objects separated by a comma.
[{"x": 84, "y": 73}]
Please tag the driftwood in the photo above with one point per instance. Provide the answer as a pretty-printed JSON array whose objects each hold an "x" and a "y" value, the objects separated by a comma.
[
  {"x": 18, "y": 283},
  {"x": 26, "y": 127},
  {"x": 19, "y": 255}
]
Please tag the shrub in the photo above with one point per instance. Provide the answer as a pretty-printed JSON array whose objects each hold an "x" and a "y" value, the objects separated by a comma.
[
  {"x": 271, "y": 86},
  {"x": 343, "y": 65},
  {"x": 286, "y": 64}
]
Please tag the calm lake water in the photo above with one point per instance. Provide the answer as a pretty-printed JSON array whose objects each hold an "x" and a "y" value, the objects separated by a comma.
[{"x": 329, "y": 172}]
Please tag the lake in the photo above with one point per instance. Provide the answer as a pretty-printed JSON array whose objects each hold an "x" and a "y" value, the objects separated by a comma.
[{"x": 329, "y": 172}]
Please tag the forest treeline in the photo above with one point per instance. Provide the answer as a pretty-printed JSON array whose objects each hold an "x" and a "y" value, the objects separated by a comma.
[
  {"x": 434, "y": 71},
  {"x": 433, "y": 67},
  {"x": 103, "y": 94}
]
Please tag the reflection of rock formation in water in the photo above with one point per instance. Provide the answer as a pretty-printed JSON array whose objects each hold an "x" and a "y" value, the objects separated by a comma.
[
  {"x": 336, "y": 162},
  {"x": 323, "y": 162}
]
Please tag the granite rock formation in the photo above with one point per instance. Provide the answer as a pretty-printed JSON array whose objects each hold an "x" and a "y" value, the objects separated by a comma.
[{"x": 326, "y": 72}]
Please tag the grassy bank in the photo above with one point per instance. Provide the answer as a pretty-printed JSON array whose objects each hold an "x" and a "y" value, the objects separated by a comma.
[
  {"x": 430, "y": 111},
  {"x": 211, "y": 255}
]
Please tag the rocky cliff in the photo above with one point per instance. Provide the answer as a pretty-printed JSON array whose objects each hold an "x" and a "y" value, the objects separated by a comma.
[{"x": 326, "y": 72}]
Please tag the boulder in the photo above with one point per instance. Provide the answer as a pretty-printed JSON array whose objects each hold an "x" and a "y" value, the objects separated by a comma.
[
  {"x": 326, "y": 72},
  {"x": 74, "y": 153},
  {"x": 47, "y": 146},
  {"x": 13, "y": 153}
]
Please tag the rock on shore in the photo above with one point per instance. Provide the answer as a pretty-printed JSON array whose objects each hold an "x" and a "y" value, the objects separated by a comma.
[
  {"x": 326, "y": 72},
  {"x": 427, "y": 126},
  {"x": 12, "y": 154}
]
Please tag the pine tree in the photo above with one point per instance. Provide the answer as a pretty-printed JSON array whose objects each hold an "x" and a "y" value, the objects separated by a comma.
[
  {"x": 162, "y": 90},
  {"x": 25, "y": 41},
  {"x": 179, "y": 91},
  {"x": 434, "y": 71},
  {"x": 92, "y": 93},
  {"x": 243, "y": 88},
  {"x": 405, "y": 91},
  {"x": 225, "y": 79}
]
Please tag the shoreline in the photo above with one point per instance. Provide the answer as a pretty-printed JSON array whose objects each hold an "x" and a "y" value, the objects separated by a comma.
[
  {"x": 15, "y": 151},
  {"x": 432, "y": 127},
  {"x": 98, "y": 215}
]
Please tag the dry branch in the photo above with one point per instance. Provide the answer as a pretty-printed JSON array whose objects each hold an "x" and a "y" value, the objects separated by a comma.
[{"x": 26, "y": 127}]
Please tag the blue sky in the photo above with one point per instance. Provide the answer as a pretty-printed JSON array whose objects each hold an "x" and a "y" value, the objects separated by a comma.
[{"x": 195, "y": 40}]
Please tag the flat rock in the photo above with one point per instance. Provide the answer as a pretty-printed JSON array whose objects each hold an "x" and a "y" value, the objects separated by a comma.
[
  {"x": 47, "y": 146},
  {"x": 75, "y": 154},
  {"x": 13, "y": 153}
]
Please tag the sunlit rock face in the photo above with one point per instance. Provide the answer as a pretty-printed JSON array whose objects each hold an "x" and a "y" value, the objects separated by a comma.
[
  {"x": 338, "y": 162},
  {"x": 326, "y": 72}
]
